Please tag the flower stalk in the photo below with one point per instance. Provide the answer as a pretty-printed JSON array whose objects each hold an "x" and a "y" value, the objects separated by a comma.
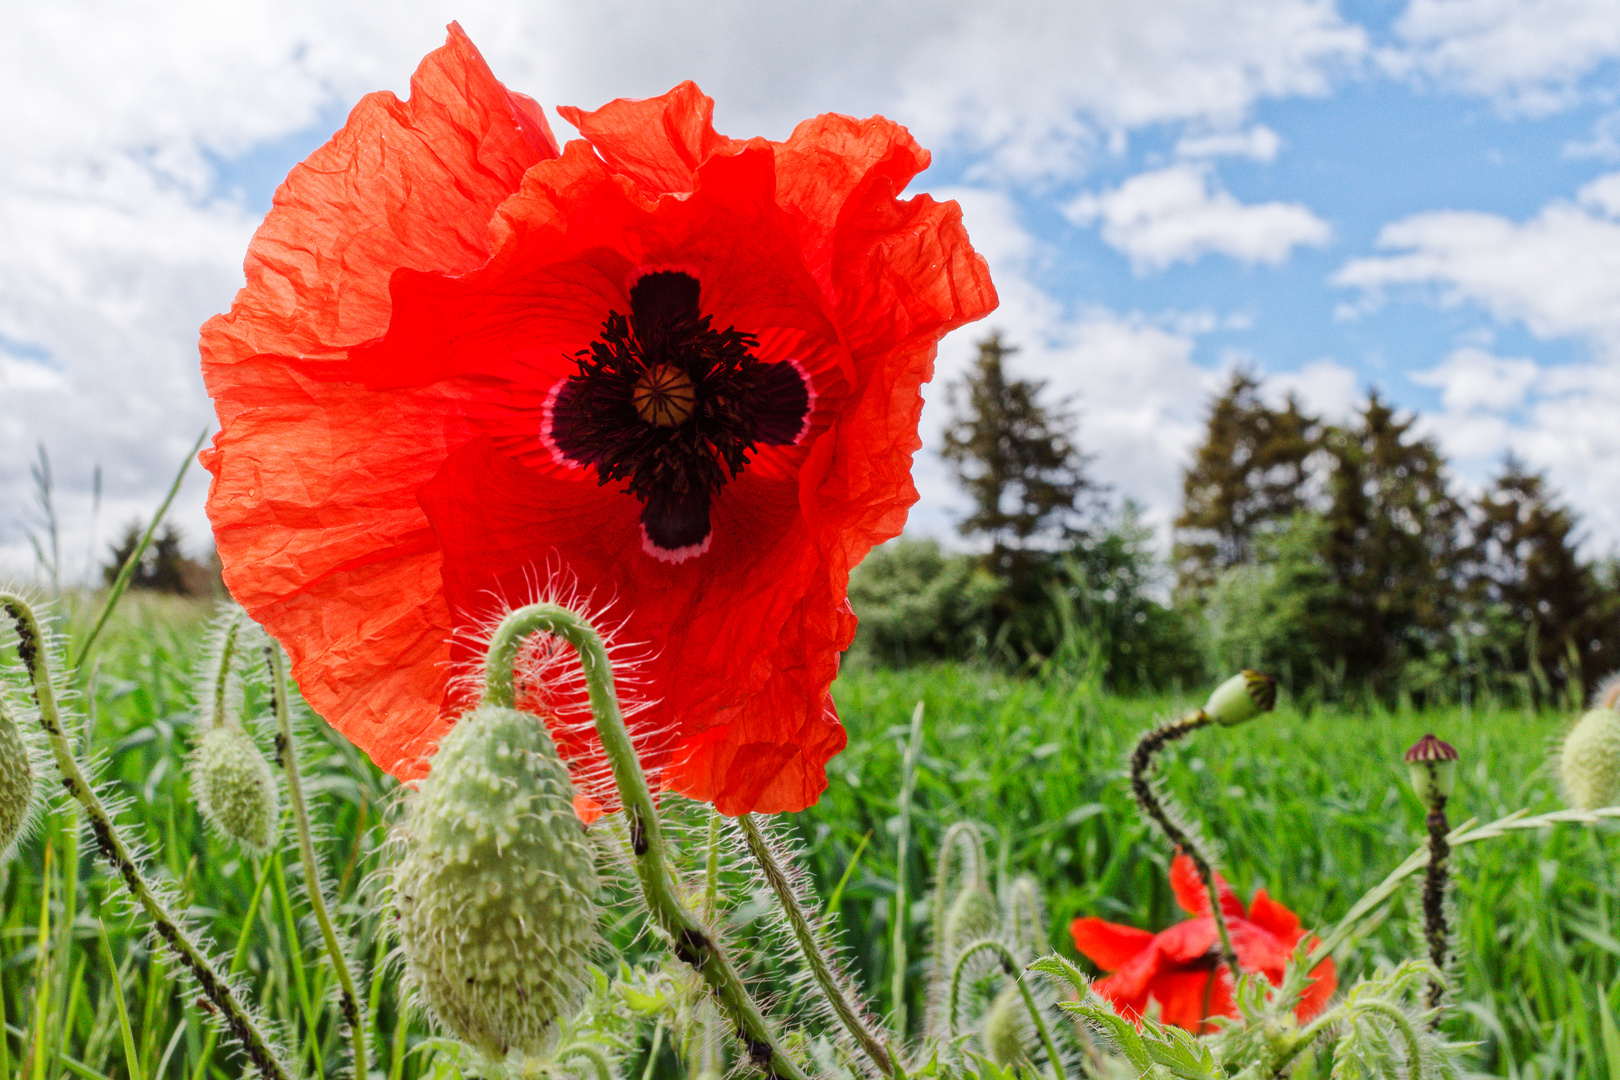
[
  {"x": 691, "y": 940},
  {"x": 237, "y": 1019},
  {"x": 1148, "y": 800},
  {"x": 1434, "y": 771},
  {"x": 1009, "y": 966},
  {"x": 849, "y": 1014},
  {"x": 287, "y": 755}
]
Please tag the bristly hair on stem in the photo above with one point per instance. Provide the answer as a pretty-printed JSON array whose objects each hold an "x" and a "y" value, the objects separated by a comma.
[
  {"x": 236, "y": 1017},
  {"x": 1158, "y": 810},
  {"x": 338, "y": 948}
]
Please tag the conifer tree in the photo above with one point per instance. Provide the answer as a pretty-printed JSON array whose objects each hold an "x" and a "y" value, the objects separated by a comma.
[
  {"x": 1525, "y": 571},
  {"x": 1015, "y": 457},
  {"x": 1391, "y": 542},
  {"x": 1250, "y": 476}
]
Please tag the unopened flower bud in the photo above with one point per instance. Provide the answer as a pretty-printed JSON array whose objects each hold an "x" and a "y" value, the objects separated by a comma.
[
  {"x": 16, "y": 782},
  {"x": 1006, "y": 1028},
  {"x": 971, "y": 916},
  {"x": 1590, "y": 763},
  {"x": 1433, "y": 765},
  {"x": 496, "y": 888},
  {"x": 234, "y": 787},
  {"x": 1242, "y": 698}
]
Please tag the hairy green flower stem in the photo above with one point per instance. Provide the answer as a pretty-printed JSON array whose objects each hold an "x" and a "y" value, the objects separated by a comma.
[
  {"x": 1141, "y": 762},
  {"x": 1009, "y": 966},
  {"x": 215, "y": 987},
  {"x": 287, "y": 758},
  {"x": 692, "y": 941},
  {"x": 820, "y": 967},
  {"x": 1434, "y": 898},
  {"x": 222, "y": 675}
]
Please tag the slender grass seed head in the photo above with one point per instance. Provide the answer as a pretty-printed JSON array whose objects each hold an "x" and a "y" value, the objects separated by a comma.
[
  {"x": 1589, "y": 764},
  {"x": 234, "y": 787},
  {"x": 495, "y": 889}
]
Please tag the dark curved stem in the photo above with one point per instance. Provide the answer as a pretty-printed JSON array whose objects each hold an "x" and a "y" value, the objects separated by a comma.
[
  {"x": 1142, "y": 787},
  {"x": 1435, "y": 930}
]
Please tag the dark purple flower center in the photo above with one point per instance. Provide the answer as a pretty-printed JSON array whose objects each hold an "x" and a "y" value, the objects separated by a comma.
[{"x": 674, "y": 407}]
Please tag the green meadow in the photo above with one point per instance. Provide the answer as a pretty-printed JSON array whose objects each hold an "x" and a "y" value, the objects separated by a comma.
[{"x": 1312, "y": 805}]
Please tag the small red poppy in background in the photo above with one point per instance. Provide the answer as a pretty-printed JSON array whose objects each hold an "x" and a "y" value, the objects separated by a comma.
[
  {"x": 1180, "y": 967},
  {"x": 677, "y": 371}
]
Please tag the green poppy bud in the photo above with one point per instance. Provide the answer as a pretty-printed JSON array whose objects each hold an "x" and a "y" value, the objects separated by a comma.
[
  {"x": 1006, "y": 1028},
  {"x": 495, "y": 891},
  {"x": 234, "y": 787},
  {"x": 1590, "y": 762},
  {"x": 1242, "y": 698},
  {"x": 1433, "y": 766},
  {"x": 16, "y": 782},
  {"x": 971, "y": 916}
]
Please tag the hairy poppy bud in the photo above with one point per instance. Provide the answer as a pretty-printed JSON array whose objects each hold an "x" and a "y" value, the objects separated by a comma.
[
  {"x": 1433, "y": 766},
  {"x": 496, "y": 888},
  {"x": 16, "y": 782},
  {"x": 971, "y": 916},
  {"x": 1242, "y": 698},
  {"x": 234, "y": 787},
  {"x": 1006, "y": 1028},
  {"x": 1590, "y": 763}
]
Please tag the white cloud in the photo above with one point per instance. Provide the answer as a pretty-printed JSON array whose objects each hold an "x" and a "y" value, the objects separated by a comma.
[
  {"x": 1471, "y": 379},
  {"x": 1258, "y": 143},
  {"x": 1324, "y": 387},
  {"x": 1558, "y": 273},
  {"x": 1176, "y": 215},
  {"x": 1529, "y": 55}
]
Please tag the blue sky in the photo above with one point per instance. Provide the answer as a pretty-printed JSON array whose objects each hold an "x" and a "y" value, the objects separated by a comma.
[{"x": 1421, "y": 195}]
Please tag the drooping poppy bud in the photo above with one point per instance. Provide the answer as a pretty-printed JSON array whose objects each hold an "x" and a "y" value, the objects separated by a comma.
[
  {"x": 1242, "y": 698},
  {"x": 496, "y": 889},
  {"x": 971, "y": 916},
  {"x": 234, "y": 787},
  {"x": 1007, "y": 1034},
  {"x": 16, "y": 782},
  {"x": 1589, "y": 765},
  {"x": 1433, "y": 766}
]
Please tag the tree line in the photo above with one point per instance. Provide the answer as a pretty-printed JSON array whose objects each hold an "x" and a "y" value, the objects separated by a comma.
[{"x": 1338, "y": 555}]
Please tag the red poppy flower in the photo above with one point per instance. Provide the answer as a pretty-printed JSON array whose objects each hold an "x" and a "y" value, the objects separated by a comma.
[
  {"x": 1180, "y": 967},
  {"x": 678, "y": 370}
]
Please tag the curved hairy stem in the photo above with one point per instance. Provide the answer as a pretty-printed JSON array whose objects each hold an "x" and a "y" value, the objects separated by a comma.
[
  {"x": 821, "y": 969},
  {"x": 691, "y": 940},
  {"x": 222, "y": 672},
  {"x": 1009, "y": 966},
  {"x": 287, "y": 755},
  {"x": 237, "y": 1019},
  {"x": 1403, "y": 1026},
  {"x": 1146, "y": 798},
  {"x": 591, "y": 1053}
]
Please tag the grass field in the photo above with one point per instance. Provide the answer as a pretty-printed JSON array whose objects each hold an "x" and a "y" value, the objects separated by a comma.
[{"x": 1315, "y": 808}]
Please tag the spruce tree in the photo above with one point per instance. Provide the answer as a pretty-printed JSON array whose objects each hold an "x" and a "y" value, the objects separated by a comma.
[{"x": 1250, "y": 476}]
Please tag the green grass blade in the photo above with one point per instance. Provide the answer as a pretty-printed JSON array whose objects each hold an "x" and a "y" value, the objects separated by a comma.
[
  {"x": 1611, "y": 1034},
  {"x": 127, "y": 571},
  {"x": 42, "y": 1004},
  {"x": 854, "y": 861},
  {"x": 132, "y": 1059}
]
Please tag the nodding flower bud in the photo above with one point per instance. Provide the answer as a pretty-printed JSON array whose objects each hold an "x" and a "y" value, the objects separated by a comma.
[
  {"x": 16, "y": 782},
  {"x": 496, "y": 888},
  {"x": 1433, "y": 765},
  {"x": 1242, "y": 698},
  {"x": 234, "y": 787},
  {"x": 971, "y": 916},
  {"x": 1589, "y": 765},
  {"x": 1006, "y": 1028}
]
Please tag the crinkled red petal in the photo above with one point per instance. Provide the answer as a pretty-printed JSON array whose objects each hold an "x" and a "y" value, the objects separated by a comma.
[
  {"x": 1189, "y": 999},
  {"x": 1108, "y": 945},
  {"x": 1190, "y": 893}
]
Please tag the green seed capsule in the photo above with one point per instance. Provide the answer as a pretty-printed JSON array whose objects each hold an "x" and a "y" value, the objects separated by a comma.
[
  {"x": 496, "y": 887},
  {"x": 235, "y": 788},
  {"x": 16, "y": 782},
  {"x": 1590, "y": 763}
]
